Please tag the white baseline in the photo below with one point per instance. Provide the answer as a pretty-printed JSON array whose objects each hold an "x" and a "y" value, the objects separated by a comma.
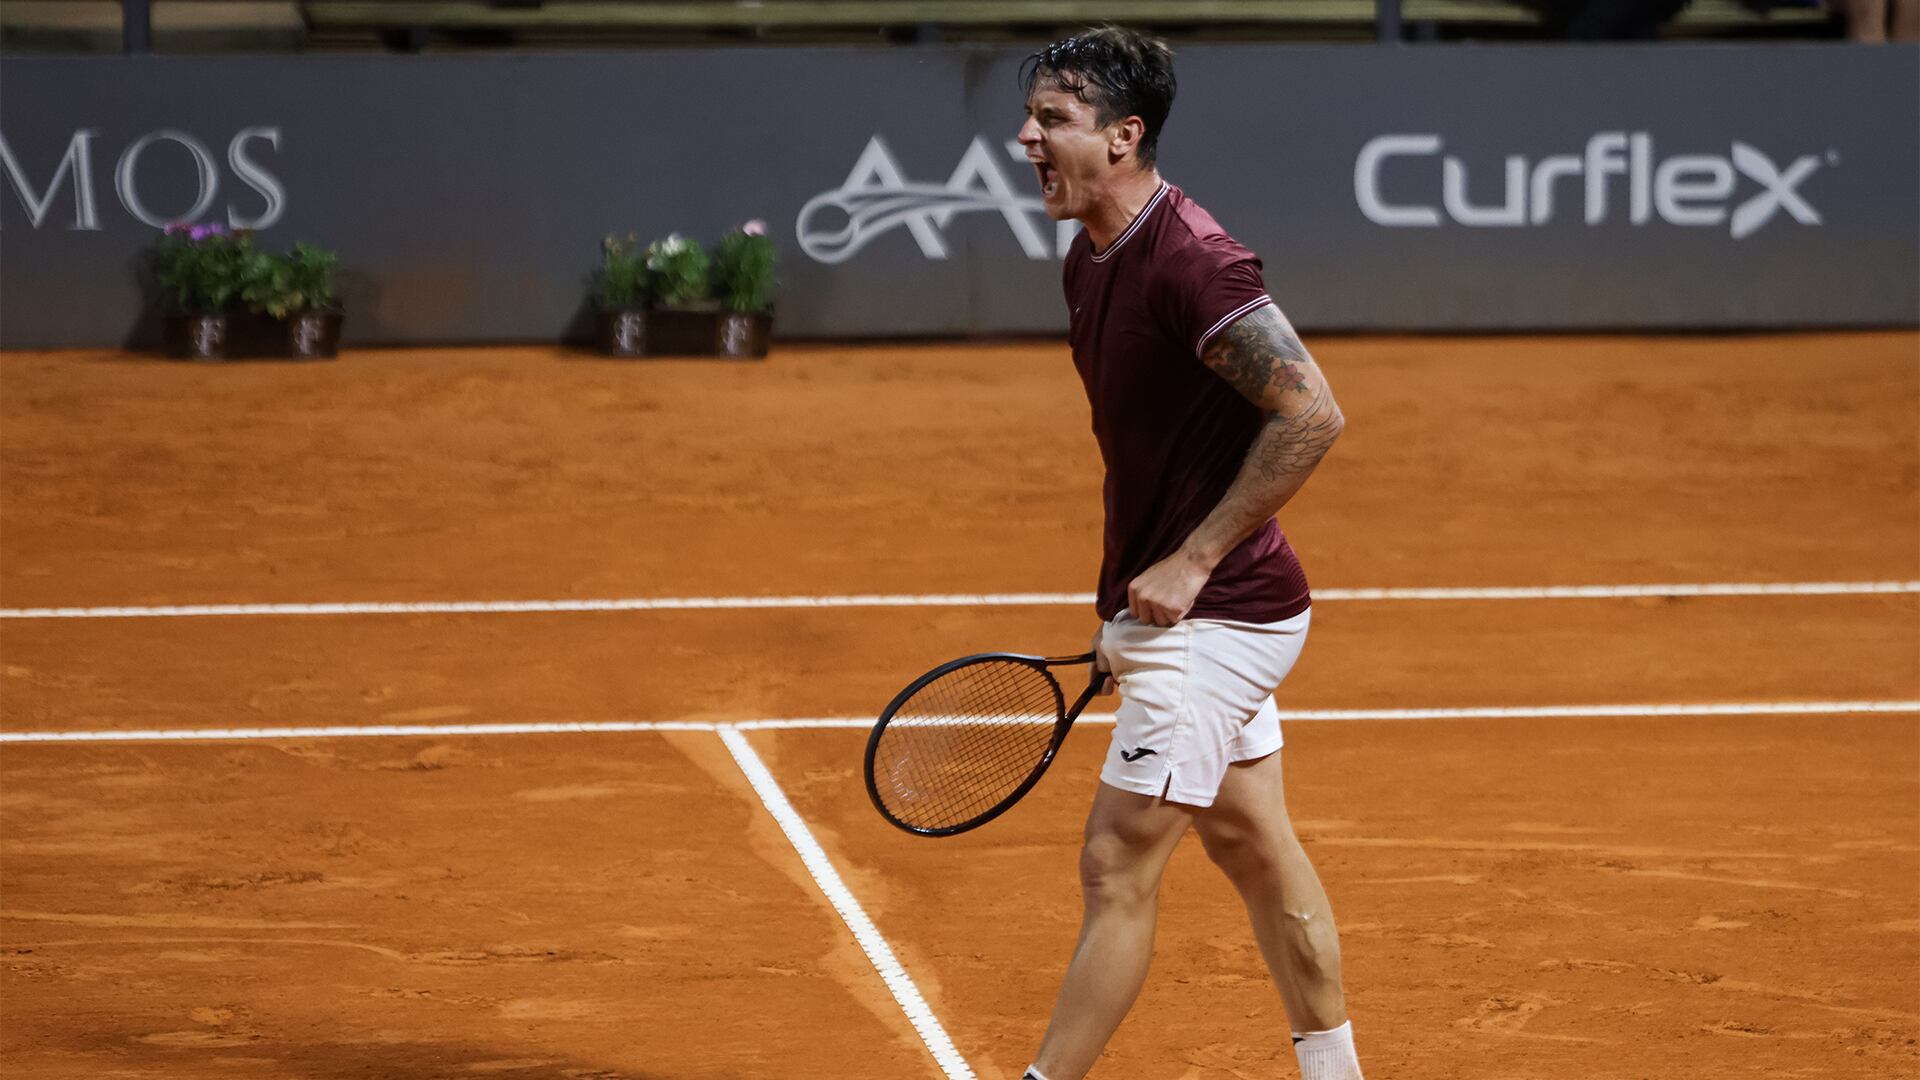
[{"x": 888, "y": 600}]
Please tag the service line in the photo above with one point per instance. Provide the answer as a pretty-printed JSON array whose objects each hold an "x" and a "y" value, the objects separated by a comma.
[
  {"x": 885, "y": 600},
  {"x": 599, "y": 727}
]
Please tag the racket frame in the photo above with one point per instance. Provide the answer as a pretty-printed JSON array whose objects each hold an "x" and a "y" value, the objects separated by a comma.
[{"x": 1063, "y": 722}]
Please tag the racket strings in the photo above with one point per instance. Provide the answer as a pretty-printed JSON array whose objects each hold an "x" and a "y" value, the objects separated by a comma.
[{"x": 965, "y": 742}]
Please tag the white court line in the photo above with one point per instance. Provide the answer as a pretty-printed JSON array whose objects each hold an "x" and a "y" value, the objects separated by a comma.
[
  {"x": 1523, "y": 712},
  {"x": 374, "y": 731},
  {"x": 899, "y": 983},
  {"x": 877, "y": 600},
  {"x": 390, "y": 731}
]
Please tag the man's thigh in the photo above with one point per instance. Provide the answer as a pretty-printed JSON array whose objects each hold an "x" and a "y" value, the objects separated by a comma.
[
  {"x": 1252, "y": 800},
  {"x": 1136, "y": 821}
]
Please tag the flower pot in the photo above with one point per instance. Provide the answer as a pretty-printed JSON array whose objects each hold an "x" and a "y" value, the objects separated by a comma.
[
  {"x": 621, "y": 333},
  {"x": 683, "y": 331},
  {"x": 313, "y": 335},
  {"x": 253, "y": 334},
  {"x": 743, "y": 335},
  {"x": 708, "y": 332},
  {"x": 195, "y": 337}
]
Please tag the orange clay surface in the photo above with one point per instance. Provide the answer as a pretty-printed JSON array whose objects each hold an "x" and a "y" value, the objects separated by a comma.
[{"x": 1521, "y": 898}]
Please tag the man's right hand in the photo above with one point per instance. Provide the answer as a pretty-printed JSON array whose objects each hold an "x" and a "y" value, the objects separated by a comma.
[{"x": 1100, "y": 664}]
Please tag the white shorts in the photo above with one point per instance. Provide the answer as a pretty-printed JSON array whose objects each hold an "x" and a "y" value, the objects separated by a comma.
[{"x": 1194, "y": 698}]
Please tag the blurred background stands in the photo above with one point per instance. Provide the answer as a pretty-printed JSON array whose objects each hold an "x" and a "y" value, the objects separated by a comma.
[{"x": 196, "y": 26}]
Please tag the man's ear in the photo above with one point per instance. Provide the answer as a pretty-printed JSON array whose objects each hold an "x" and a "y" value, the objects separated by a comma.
[{"x": 1123, "y": 137}]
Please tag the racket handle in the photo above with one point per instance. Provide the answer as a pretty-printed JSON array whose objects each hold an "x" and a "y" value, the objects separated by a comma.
[{"x": 1093, "y": 687}]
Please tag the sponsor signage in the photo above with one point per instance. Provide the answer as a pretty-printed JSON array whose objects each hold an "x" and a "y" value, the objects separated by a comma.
[
  {"x": 1616, "y": 169},
  {"x": 1431, "y": 188},
  {"x": 877, "y": 196},
  {"x": 244, "y": 161}
]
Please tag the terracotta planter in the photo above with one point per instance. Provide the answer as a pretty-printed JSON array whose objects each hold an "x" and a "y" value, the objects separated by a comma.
[
  {"x": 308, "y": 335},
  {"x": 195, "y": 337},
  {"x": 312, "y": 335},
  {"x": 622, "y": 332},
  {"x": 707, "y": 332},
  {"x": 743, "y": 336},
  {"x": 683, "y": 331},
  {"x": 251, "y": 334}
]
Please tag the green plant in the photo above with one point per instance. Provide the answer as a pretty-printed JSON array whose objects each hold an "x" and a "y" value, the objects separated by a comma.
[
  {"x": 203, "y": 267},
  {"x": 312, "y": 277},
  {"x": 265, "y": 283},
  {"x": 743, "y": 268},
  {"x": 680, "y": 271},
  {"x": 280, "y": 285},
  {"x": 621, "y": 281}
]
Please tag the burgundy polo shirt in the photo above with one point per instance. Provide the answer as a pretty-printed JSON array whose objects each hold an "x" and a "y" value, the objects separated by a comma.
[{"x": 1172, "y": 433}]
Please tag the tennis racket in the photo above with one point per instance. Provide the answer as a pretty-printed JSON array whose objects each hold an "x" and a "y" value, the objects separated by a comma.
[{"x": 962, "y": 743}]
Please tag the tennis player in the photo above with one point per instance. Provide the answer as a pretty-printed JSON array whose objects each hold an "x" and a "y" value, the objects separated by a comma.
[{"x": 1210, "y": 415}]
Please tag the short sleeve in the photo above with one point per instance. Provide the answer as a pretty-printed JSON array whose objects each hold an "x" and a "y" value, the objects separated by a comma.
[{"x": 1216, "y": 291}]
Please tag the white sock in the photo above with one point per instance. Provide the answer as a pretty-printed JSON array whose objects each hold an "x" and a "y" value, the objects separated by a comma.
[
  {"x": 1033, "y": 1073},
  {"x": 1327, "y": 1055}
]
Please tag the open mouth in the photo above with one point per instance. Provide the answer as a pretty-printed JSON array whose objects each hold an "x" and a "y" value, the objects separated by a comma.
[{"x": 1049, "y": 179}]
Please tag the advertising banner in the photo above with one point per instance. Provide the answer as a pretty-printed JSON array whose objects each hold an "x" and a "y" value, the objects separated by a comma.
[{"x": 1417, "y": 189}]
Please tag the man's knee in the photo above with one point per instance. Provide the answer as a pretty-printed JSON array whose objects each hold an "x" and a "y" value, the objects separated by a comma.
[
  {"x": 1114, "y": 871},
  {"x": 1251, "y": 858}
]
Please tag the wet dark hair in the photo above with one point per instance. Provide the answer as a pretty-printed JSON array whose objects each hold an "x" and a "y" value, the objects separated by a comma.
[{"x": 1119, "y": 72}]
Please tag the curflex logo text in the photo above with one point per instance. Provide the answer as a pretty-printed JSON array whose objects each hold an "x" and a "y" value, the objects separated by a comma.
[
  {"x": 877, "y": 198},
  {"x": 1697, "y": 190}
]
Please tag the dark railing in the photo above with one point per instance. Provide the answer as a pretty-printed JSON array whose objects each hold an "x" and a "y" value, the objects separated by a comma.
[{"x": 136, "y": 25}]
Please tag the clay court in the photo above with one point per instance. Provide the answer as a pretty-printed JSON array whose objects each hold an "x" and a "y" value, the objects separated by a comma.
[{"x": 1606, "y": 882}]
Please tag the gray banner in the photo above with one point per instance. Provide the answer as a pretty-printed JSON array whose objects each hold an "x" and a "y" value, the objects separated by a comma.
[{"x": 1400, "y": 189}]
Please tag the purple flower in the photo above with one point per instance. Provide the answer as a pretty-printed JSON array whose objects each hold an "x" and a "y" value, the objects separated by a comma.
[
  {"x": 199, "y": 232},
  {"x": 756, "y": 227}
]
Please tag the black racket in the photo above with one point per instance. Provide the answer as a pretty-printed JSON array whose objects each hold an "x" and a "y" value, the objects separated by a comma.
[{"x": 965, "y": 741}]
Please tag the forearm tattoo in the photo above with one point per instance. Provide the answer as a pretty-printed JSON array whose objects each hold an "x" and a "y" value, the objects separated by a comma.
[
  {"x": 1262, "y": 358},
  {"x": 1291, "y": 446}
]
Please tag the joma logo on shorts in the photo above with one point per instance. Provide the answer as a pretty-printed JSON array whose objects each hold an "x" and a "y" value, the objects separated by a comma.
[{"x": 1684, "y": 189}]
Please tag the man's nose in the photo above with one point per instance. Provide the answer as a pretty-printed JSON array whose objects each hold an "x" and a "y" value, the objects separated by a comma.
[{"x": 1030, "y": 132}]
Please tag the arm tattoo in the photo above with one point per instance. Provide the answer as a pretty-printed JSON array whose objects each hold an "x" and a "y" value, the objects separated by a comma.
[
  {"x": 1259, "y": 352},
  {"x": 1291, "y": 445},
  {"x": 1262, "y": 358}
]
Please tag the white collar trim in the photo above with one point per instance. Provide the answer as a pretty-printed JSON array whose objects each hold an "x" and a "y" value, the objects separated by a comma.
[{"x": 1138, "y": 220}]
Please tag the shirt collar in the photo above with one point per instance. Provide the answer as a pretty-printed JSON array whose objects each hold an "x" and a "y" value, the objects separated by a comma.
[{"x": 1138, "y": 220}]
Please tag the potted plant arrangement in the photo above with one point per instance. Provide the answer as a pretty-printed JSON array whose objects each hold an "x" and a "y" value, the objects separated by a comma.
[
  {"x": 672, "y": 299},
  {"x": 743, "y": 267},
  {"x": 620, "y": 297},
  {"x": 295, "y": 291},
  {"x": 201, "y": 268},
  {"x": 684, "y": 320}
]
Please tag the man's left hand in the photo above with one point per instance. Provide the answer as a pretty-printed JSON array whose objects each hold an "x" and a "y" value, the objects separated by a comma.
[{"x": 1164, "y": 593}]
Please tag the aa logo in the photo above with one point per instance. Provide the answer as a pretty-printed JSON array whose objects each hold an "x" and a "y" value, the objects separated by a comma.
[{"x": 877, "y": 198}]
